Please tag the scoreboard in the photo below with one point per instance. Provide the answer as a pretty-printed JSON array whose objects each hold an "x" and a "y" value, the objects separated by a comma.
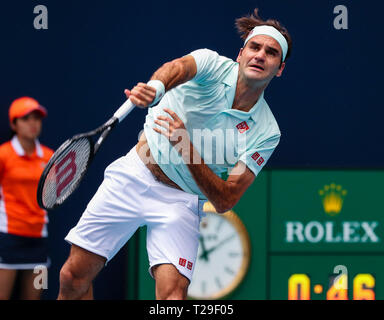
[
  {"x": 314, "y": 234},
  {"x": 326, "y": 235}
]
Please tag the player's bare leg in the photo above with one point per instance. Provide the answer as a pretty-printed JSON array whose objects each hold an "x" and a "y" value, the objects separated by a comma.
[
  {"x": 77, "y": 274},
  {"x": 7, "y": 281},
  {"x": 170, "y": 283}
]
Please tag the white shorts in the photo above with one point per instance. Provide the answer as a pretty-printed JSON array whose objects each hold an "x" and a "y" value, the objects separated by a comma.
[{"x": 130, "y": 197}]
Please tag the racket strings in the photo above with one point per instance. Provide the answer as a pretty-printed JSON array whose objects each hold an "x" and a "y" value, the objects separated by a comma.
[{"x": 66, "y": 172}]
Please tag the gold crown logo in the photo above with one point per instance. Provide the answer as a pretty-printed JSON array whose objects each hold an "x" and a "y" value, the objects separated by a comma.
[{"x": 332, "y": 197}]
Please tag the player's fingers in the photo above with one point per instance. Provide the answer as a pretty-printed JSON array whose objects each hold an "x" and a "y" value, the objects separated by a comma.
[
  {"x": 143, "y": 95},
  {"x": 138, "y": 102},
  {"x": 163, "y": 123},
  {"x": 127, "y": 93},
  {"x": 177, "y": 123},
  {"x": 163, "y": 118},
  {"x": 146, "y": 87},
  {"x": 164, "y": 133},
  {"x": 172, "y": 114},
  {"x": 140, "y": 93},
  {"x": 147, "y": 91}
]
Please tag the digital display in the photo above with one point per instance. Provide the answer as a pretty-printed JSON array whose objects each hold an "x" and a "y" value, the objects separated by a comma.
[{"x": 301, "y": 288}]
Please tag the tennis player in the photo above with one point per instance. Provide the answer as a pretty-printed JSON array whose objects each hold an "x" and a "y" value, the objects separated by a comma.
[{"x": 164, "y": 180}]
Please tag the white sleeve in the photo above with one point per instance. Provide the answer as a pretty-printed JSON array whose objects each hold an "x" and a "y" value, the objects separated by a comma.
[
  {"x": 255, "y": 158},
  {"x": 211, "y": 66}
]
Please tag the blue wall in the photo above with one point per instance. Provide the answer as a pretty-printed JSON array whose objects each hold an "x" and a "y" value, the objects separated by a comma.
[{"x": 327, "y": 102}]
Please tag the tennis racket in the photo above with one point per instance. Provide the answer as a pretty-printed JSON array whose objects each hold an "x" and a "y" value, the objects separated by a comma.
[{"x": 70, "y": 162}]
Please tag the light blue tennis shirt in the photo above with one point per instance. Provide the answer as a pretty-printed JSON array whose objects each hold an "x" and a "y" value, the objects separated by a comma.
[{"x": 222, "y": 135}]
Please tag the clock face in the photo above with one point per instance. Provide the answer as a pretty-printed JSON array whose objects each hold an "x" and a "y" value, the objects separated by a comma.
[{"x": 222, "y": 258}]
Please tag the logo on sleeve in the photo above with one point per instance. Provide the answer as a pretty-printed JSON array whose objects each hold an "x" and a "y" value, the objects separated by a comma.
[
  {"x": 184, "y": 263},
  {"x": 242, "y": 127},
  {"x": 259, "y": 160}
]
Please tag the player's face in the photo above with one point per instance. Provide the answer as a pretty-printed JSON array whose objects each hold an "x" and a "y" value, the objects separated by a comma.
[
  {"x": 260, "y": 60},
  {"x": 29, "y": 126}
]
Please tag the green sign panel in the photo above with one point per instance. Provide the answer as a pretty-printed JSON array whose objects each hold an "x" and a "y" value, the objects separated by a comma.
[
  {"x": 327, "y": 211},
  {"x": 315, "y": 234}
]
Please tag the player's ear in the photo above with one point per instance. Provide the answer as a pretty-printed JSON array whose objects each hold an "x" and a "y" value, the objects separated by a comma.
[
  {"x": 280, "y": 71},
  {"x": 239, "y": 55},
  {"x": 13, "y": 125}
]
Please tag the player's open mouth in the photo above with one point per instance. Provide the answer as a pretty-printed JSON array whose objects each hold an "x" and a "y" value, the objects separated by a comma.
[{"x": 257, "y": 67}]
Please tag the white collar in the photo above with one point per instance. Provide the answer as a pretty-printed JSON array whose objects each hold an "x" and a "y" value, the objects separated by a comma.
[{"x": 19, "y": 149}]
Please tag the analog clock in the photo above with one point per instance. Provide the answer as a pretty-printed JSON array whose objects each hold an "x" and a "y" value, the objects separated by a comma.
[{"x": 223, "y": 255}]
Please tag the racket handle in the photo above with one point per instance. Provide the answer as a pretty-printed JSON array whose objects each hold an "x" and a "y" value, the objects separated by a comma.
[{"x": 124, "y": 110}]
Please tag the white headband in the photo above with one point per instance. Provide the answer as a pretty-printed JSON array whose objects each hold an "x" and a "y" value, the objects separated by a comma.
[{"x": 272, "y": 32}]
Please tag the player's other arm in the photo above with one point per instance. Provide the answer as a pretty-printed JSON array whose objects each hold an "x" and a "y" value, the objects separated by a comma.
[
  {"x": 222, "y": 194},
  {"x": 171, "y": 74}
]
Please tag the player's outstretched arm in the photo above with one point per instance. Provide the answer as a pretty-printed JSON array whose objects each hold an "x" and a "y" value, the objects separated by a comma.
[
  {"x": 176, "y": 72},
  {"x": 171, "y": 74}
]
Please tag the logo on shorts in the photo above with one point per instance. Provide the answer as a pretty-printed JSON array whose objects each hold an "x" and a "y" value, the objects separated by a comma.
[
  {"x": 242, "y": 127},
  {"x": 183, "y": 262},
  {"x": 259, "y": 160}
]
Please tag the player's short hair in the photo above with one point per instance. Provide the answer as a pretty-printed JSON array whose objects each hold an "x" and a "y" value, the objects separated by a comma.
[{"x": 245, "y": 25}]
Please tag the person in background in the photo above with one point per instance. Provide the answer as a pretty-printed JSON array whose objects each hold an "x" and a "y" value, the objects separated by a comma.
[{"x": 23, "y": 224}]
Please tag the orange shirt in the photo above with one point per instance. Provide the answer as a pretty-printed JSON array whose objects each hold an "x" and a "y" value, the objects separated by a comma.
[{"x": 20, "y": 213}]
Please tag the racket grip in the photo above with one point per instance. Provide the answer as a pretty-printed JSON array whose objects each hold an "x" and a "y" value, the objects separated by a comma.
[{"x": 124, "y": 110}]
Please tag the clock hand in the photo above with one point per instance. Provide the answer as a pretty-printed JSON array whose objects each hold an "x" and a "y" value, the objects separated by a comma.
[
  {"x": 209, "y": 251},
  {"x": 204, "y": 254}
]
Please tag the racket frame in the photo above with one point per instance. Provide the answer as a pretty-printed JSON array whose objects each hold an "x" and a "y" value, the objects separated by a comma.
[{"x": 105, "y": 130}]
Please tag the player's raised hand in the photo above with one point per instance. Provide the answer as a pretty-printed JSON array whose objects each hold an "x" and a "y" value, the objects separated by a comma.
[
  {"x": 174, "y": 127},
  {"x": 141, "y": 95}
]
